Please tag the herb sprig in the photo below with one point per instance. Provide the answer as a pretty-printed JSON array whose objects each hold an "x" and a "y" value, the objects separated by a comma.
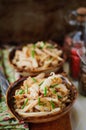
[{"x": 25, "y": 103}]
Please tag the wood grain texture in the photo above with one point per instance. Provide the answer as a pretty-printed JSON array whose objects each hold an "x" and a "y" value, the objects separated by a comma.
[{"x": 62, "y": 123}]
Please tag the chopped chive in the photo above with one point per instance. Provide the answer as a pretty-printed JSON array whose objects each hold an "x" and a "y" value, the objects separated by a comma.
[
  {"x": 45, "y": 91},
  {"x": 16, "y": 92},
  {"x": 54, "y": 92},
  {"x": 42, "y": 45},
  {"x": 25, "y": 102},
  {"x": 52, "y": 104},
  {"x": 34, "y": 79},
  {"x": 21, "y": 91},
  {"x": 39, "y": 100},
  {"x": 34, "y": 46},
  {"x": 33, "y": 53},
  {"x": 59, "y": 96},
  {"x": 41, "y": 83},
  {"x": 52, "y": 86}
]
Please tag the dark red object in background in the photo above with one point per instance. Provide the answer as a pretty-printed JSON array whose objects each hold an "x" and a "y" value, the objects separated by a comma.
[{"x": 74, "y": 64}]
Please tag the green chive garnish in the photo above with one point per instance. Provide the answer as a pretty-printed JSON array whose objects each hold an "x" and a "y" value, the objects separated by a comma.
[
  {"x": 52, "y": 104},
  {"x": 41, "y": 83},
  {"x": 59, "y": 96},
  {"x": 39, "y": 100},
  {"x": 34, "y": 79},
  {"x": 33, "y": 53},
  {"x": 16, "y": 92},
  {"x": 42, "y": 45},
  {"x": 41, "y": 103},
  {"x": 54, "y": 92},
  {"x": 52, "y": 86},
  {"x": 21, "y": 91},
  {"x": 45, "y": 91},
  {"x": 25, "y": 103},
  {"x": 34, "y": 46}
]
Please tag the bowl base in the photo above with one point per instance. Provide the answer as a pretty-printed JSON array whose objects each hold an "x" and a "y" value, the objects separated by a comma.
[{"x": 62, "y": 123}]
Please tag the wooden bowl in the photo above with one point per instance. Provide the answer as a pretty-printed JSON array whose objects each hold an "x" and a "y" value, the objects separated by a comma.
[
  {"x": 37, "y": 119},
  {"x": 28, "y": 72}
]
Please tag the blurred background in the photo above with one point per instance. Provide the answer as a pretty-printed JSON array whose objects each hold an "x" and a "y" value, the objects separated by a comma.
[{"x": 33, "y": 20}]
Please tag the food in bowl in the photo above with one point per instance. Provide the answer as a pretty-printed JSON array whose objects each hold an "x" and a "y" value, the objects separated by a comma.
[
  {"x": 39, "y": 57},
  {"x": 41, "y": 96}
]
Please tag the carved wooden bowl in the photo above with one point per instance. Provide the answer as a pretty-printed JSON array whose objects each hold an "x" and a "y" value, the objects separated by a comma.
[
  {"x": 27, "y": 72},
  {"x": 37, "y": 119}
]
